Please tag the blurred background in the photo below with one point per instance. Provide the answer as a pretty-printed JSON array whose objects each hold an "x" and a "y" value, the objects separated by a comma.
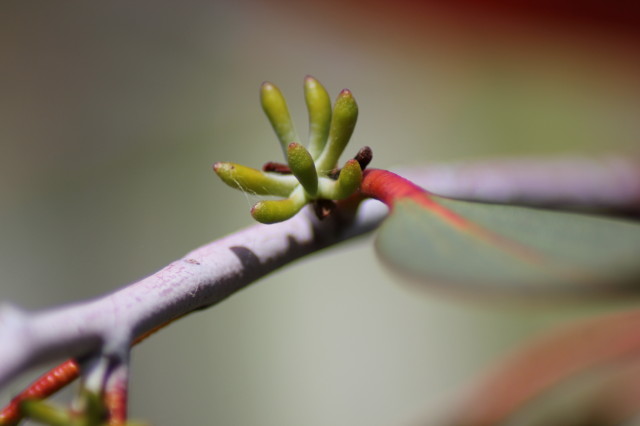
[{"x": 111, "y": 114}]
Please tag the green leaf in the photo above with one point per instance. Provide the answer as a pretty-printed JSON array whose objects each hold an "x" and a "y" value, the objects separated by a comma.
[
  {"x": 499, "y": 248},
  {"x": 605, "y": 344}
]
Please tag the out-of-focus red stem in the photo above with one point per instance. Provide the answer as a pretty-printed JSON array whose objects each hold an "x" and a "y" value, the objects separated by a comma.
[
  {"x": 59, "y": 377},
  {"x": 546, "y": 362},
  {"x": 44, "y": 386},
  {"x": 115, "y": 400}
]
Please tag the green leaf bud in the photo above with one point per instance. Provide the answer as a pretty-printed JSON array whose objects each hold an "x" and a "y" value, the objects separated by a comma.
[
  {"x": 45, "y": 412},
  {"x": 273, "y": 211},
  {"x": 343, "y": 121},
  {"x": 348, "y": 182},
  {"x": 319, "y": 107},
  {"x": 303, "y": 167},
  {"x": 255, "y": 181},
  {"x": 275, "y": 107}
]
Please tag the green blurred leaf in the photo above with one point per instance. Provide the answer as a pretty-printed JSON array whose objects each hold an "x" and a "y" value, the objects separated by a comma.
[
  {"x": 499, "y": 248},
  {"x": 45, "y": 412}
]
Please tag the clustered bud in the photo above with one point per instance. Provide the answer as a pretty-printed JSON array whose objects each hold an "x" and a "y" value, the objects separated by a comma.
[{"x": 311, "y": 174}]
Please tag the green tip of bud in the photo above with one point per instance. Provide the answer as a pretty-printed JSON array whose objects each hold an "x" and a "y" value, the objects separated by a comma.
[
  {"x": 303, "y": 168},
  {"x": 346, "y": 107},
  {"x": 275, "y": 107},
  {"x": 349, "y": 180},
  {"x": 274, "y": 211}
]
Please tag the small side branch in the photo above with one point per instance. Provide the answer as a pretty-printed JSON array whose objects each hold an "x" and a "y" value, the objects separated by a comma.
[{"x": 115, "y": 394}]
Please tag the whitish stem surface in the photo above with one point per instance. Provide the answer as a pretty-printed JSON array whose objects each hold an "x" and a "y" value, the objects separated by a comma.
[
  {"x": 607, "y": 183},
  {"x": 201, "y": 278}
]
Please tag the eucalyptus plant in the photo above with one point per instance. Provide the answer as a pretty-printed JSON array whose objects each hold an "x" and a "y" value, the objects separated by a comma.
[{"x": 486, "y": 248}]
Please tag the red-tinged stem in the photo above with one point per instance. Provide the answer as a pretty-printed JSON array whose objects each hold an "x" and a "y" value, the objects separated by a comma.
[
  {"x": 44, "y": 386},
  {"x": 116, "y": 403},
  {"x": 116, "y": 394},
  {"x": 389, "y": 188}
]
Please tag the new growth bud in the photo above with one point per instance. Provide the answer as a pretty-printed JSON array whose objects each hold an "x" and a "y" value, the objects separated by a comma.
[
  {"x": 274, "y": 211},
  {"x": 310, "y": 180}
]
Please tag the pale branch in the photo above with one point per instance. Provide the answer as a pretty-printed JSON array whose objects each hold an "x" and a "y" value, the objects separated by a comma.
[
  {"x": 105, "y": 327},
  {"x": 205, "y": 276},
  {"x": 606, "y": 182}
]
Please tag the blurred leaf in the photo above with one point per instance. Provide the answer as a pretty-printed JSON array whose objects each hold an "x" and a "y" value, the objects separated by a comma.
[
  {"x": 500, "y": 248},
  {"x": 610, "y": 341}
]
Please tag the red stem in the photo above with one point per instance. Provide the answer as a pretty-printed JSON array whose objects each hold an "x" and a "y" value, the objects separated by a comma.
[
  {"x": 59, "y": 377},
  {"x": 387, "y": 187},
  {"x": 44, "y": 386},
  {"x": 115, "y": 399}
]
